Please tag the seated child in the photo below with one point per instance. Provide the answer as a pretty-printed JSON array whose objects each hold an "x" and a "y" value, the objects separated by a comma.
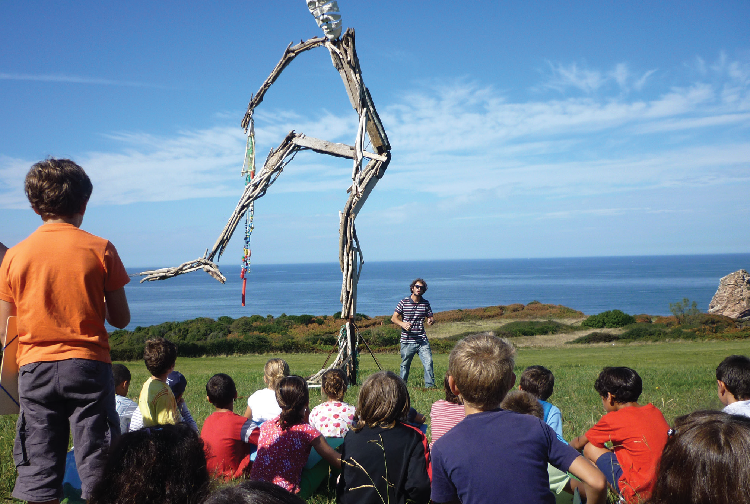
[
  {"x": 493, "y": 452},
  {"x": 637, "y": 435},
  {"x": 177, "y": 383},
  {"x": 445, "y": 413},
  {"x": 705, "y": 461},
  {"x": 540, "y": 382},
  {"x": 262, "y": 405},
  {"x": 164, "y": 465},
  {"x": 334, "y": 417},
  {"x": 382, "y": 450},
  {"x": 560, "y": 483},
  {"x": 285, "y": 441},
  {"x": 229, "y": 438},
  {"x": 125, "y": 407},
  {"x": 253, "y": 492},
  {"x": 733, "y": 377},
  {"x": 157, "y": 403}
]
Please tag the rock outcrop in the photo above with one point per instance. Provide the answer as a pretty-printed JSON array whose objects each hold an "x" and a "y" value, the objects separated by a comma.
[{"x": 732, "y": 299}]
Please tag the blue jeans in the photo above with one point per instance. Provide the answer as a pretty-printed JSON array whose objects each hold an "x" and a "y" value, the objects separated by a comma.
[{"x": 408, "y": 350}]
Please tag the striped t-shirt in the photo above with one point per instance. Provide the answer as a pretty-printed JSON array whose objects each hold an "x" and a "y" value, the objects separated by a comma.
[{"x": 414, "y": 313}]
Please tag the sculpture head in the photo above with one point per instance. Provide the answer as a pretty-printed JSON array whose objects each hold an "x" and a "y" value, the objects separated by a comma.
[{"x": 327, "y": 15}]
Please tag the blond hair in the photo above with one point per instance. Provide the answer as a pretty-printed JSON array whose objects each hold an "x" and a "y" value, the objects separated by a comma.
[
  {"x": 482, "y": 368},
  {"x": 383, "y": 400},
  {"x": 274, "y": 371}
]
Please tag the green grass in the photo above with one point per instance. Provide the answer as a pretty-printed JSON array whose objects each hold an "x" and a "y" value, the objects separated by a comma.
[{"x": 678, "y": 378}]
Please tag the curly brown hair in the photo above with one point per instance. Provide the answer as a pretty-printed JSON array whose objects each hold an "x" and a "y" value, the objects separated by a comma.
[
  {"x": 57, "y": 187},
  {"x": 333, "y": 384},
  {"x": 160, "y": 356}
]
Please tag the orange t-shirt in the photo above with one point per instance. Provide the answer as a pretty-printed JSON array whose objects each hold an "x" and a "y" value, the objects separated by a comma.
[
  {"x": 638, "y": 435},
  {"x": 57, "y": 278}
]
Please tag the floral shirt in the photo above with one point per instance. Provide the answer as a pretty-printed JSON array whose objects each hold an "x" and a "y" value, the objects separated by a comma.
[
  {"x": 332, "y": 418},
  {"x": 283, "y": 454}
]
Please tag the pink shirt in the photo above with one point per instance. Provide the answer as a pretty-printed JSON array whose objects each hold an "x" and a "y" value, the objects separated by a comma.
[
  {"x": 283, "y": 454},
  {"x": 332, "y": 418},
  {"x": 443, "y": 417}
]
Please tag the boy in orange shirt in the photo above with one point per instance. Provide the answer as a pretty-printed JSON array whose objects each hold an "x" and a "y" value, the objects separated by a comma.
[
  {"x": 62, "y": 283},
  {"x": 637, "y": 435}
]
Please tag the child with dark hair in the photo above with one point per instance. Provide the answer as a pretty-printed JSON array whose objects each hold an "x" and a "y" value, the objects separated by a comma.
[
  {"x": 62, "y": 283},
  {"x": 334, "y": 417},
  {"x": 497, "y": 455},
  {"x": 637, "y": 435},
  {"x": 157, "y": 402},
  {"x": 285, "y": 441},
  {"x": 125, "y": 407},
  {"x": 383, "y": 458},
  {"x": 162, "y": 465},
  {"x": 733, "y": 378},
  {"x": 560, "y": 483},
  {"x": 253, "y": 492},
  {"x": 229, "y": 438},
  {"x": 540, "y": 382},
  {"x": 705, "y": 461},
  {"x": 445, "y": 413}
]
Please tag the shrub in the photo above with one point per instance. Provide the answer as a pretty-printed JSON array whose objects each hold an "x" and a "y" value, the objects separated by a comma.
[
  {"x": 610, "y": 319},
  {"x": 684, "y": 311},
  {"x": 596, "y": 337}
]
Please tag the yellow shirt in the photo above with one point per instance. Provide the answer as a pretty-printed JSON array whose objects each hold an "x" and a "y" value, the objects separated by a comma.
[{"x": 157, "y": 404}]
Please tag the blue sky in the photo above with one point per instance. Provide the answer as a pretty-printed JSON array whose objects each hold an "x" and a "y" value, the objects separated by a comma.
[{"x": 519, "y": 129}]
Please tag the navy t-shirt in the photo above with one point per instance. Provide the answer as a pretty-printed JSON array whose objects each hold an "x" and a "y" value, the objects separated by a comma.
[{"x": 497, "y": 456}]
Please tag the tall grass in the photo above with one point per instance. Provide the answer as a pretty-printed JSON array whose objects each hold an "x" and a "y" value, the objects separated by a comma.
[{"x": 678, "y": 378}]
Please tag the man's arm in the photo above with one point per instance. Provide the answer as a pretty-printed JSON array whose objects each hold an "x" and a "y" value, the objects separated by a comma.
[
  {"x": 593, "y": 480},
  {"x": 6, "y": 310},
  {"x": 118, "y": 311},
  {"x": 398, "y": 319}
]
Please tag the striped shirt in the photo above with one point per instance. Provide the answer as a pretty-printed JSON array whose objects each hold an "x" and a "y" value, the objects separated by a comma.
[
  {"x": 444, "y": 416},
  {"x": 414, "y": 313}
]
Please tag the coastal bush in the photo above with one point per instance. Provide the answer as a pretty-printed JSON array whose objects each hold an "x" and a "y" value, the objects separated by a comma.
[
  {"x": 596, "y": 337},
  {"x": 684, "y": 311},
  {"x": 609, "y": 319},
  {"x": 532, "y": 328}
]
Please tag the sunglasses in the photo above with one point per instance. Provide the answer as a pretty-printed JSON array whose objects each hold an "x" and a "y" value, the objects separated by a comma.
[{"x": 420, "y": 287}]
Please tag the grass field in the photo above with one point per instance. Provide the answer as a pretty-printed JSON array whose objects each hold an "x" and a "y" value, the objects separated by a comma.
[{"x": 678, "y": 378}]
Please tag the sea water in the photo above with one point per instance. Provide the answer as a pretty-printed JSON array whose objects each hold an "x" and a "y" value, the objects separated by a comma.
[{"x": 637, "y": 284}]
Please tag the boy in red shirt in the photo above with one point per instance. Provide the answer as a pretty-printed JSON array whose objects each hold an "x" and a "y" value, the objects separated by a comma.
[
  {"x": 62, "y": 283},
  {"x": 636, "y": 434},
  {"x": 229, "y": 438}
]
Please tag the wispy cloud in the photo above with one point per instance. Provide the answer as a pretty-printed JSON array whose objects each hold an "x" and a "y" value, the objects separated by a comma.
[{"x": 75, "y": 79}]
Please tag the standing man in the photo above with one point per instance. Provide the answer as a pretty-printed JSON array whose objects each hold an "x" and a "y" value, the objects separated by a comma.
[{"x": 410, "y": 315}]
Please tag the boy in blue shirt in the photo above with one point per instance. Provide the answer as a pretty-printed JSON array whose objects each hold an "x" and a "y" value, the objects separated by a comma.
[
  {"x": 493, "y": 455},
  {"x": 540, "y": 382}
]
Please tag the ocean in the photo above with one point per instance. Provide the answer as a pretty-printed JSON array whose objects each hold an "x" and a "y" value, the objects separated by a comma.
[{"x": 635, "y": 284}]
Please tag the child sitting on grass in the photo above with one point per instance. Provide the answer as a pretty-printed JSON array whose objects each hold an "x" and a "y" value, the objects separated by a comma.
[
  {"x": 125, "y": 407},
  {"x": 285, "y": 441},
  {"x": 733, "y": 377},
  {"x": 637, "y": 435},
  {"x": 445, "y": 413},
  {"x": 540, "y": 382},
  {"x": 177, "y": 383},
  {"x": 705, "y": 461},
  {"x": 229, "y": 438},
  {"x": 383, "y": 459},
  {"x": 494, "y": 455},
  {"x": 560, "y": 484},
  {"x": 262, "y": 405},
  {"x": 157, "y": 403},
  {"x": 334, "y": 417}
]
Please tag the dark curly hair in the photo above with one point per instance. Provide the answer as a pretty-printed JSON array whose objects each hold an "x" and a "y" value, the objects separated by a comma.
[
  {"x": 622, "y": 382},
  {"x": 253, "y": 492},
  {"x": 293, "y": 398},
  {"x": 160, "y": 356},
  {"x": 414, "y": 282},
  {"x": 164, "y": 465},
  {"x": 538, "y": 381},
  {"x": 221, "y": 390},
  {"x": 734, "y": 372},
  {"x": 333, "y": 384},
  {"x": 57, "y": 187}
]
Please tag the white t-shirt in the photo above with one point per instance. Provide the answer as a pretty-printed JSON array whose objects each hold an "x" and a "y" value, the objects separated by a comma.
[
  {"x": 738, "y": 408},
  {"x": 264, "y": 405}
]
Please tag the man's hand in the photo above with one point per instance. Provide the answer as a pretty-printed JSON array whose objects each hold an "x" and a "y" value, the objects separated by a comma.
[{"x": 430, "y": 320}]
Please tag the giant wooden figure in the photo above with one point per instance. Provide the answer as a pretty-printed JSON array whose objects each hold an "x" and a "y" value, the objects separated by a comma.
[{"x": 344, "y": 59}]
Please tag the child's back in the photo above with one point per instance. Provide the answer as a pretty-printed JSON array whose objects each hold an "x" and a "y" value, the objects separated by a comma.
[
  {"x": 383, "y": 451},
  {"x": 63, "y": 283},
  {"x": 540, "y": 382}
]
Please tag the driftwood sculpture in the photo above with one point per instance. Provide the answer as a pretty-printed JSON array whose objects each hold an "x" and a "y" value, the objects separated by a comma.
[{"x": 344, "y": 58}]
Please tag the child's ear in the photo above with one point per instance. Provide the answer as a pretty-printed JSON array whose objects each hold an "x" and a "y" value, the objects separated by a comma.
[
  {"x": 235, "y": 396},
  {"x": 452, "y": 386},
  {"x": 207, "y": 399},
  {"x": 610, "y": 399},
  {"x": 722, "y": 388}
]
